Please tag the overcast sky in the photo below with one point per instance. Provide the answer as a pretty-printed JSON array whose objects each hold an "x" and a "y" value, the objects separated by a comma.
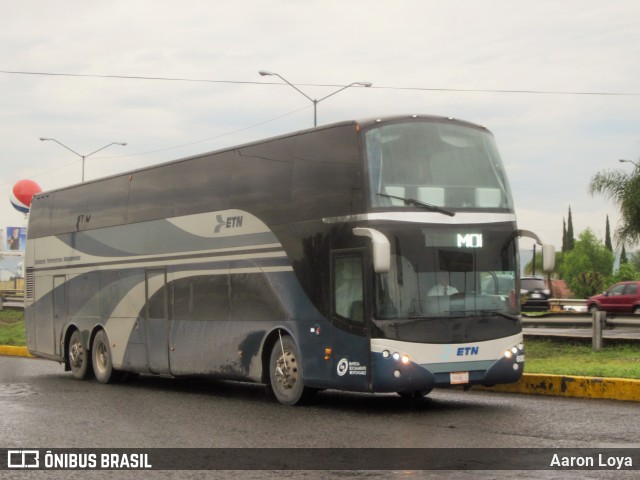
[{"x": 464, "y": 59}]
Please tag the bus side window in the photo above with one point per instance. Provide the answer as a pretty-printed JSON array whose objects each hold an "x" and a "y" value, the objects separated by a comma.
[{"x": 348, "y": 288}]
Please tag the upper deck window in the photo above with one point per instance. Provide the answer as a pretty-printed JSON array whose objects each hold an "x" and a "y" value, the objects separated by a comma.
[{"x": 446, "y": 165}]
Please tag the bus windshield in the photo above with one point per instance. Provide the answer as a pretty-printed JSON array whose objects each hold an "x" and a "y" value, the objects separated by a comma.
[
  {"x": 445, "y": 272},
  {"x": 438, "y": 164}
]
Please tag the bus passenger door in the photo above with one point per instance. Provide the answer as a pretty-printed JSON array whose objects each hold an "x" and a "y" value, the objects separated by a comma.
[
  {"x": 157, "y": 320},
  {"x": 350, "y": 333}
]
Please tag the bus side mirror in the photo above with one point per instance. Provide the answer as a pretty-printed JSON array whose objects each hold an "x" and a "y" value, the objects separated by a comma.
[
  {"x": 548, "y": 258},
  {"x": 381, "y": 248},
  {"x": 548, "y": 251}
]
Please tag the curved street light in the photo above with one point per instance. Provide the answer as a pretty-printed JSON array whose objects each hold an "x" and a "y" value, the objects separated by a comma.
[
  {"x": 44, "y": 139},
  {"x": 622, "y": 160},
  {"x": 313, "y": 100}
]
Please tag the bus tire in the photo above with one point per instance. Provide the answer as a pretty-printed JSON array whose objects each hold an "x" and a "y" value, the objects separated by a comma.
[
  {"x": 285, "y": 372},
  {"x": 101, "y": 358},
  {"x": 78, "y": 357}
]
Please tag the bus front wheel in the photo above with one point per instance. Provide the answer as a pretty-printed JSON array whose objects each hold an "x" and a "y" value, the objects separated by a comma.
[
  {"x": 78, "y": 357},
  {"x": 101, "y": 358},
  {"x": 285, "y": 372}
]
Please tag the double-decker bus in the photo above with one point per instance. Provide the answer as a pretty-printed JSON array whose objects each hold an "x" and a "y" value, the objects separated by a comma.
[{"x": 373, "y": 256}]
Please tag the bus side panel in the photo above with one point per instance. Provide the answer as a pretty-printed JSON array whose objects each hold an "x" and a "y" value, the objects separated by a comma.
[
  {"x": 39, "y": 318},
  {"x": 222, "y": 333},
  {"x": 199, "y": 309},
  {"x": 310, "y": 328},
  {"x": 121, "y": 300},
  {"x": 59, "y": 308}
]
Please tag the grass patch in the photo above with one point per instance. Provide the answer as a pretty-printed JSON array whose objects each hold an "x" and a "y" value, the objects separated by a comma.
[
  {"x": 555, "y": 356},
  {"x": 571, "y": 357},
  {"x": 12, "y": 330}
]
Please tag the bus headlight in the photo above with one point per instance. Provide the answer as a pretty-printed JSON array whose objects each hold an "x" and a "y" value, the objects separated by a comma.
[
  {"x": 516, "y": 353},
  {"x": 397, "y": 356}
]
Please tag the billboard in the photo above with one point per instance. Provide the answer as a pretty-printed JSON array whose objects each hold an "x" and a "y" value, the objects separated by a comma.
[{"x": 16, "y": 240}]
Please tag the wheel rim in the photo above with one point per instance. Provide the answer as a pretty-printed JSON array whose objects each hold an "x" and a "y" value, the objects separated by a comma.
[
  {"x": 102, "y": 357},
  {"x": 76, "y": 353},
  {"x": 286, "y": 371}
]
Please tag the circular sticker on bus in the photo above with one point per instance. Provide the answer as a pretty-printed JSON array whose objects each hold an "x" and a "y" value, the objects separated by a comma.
[{"x": 343, "y": 367}]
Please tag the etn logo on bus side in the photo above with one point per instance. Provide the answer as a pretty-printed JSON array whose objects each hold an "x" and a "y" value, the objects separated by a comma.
[
  {"x": 470, "y": 240},
  {"x": 229, "y": 222}
]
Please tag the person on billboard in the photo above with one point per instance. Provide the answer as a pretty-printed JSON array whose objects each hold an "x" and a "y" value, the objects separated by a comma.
[{"x": 13, "y": 242}]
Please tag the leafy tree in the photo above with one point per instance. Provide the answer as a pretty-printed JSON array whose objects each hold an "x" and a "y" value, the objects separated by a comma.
[
  {"x": 625, "y": 273},
  {"x": 586, "y": 284},
  {"x": 623, "y": 189},
  {"x": 588, "y": 266}
]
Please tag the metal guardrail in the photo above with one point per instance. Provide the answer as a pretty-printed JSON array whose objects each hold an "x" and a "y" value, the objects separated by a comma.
[
  {"x": 11, "y": 298},
  {"x": 598, "y": 322},
  {"x": 579, "y": 319},
  {"x": 12, "y": 295}
]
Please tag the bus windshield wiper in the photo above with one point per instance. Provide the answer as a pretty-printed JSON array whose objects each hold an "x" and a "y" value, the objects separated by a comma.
[{"x": 418, "y": 203}]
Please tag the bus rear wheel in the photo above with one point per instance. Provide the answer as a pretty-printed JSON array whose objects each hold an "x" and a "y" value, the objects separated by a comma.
[
  {"x": 78, "y": 357},
  {"x": 285, "y": 372},
  {"x": 101, "y": 358}
]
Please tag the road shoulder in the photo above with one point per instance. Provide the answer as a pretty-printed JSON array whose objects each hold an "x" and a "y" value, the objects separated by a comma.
[{"x": 573, "y": 386}]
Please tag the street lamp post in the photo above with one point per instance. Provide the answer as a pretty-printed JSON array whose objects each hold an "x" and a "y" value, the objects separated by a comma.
[
  {"x": 622, "y": 160},
  {"x": 43, "y": 139},
  {"x": 313, "y": 100}
]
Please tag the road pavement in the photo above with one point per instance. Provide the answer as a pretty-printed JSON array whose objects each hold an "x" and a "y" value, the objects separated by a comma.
[{"x": 44, "y": 407}]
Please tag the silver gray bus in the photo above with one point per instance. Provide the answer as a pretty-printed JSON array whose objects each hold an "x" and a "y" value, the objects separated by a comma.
[{"x": 376, "y": 256}]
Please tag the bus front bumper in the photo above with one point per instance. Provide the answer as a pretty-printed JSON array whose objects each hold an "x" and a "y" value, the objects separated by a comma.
[{"x": 397, "y": 373}]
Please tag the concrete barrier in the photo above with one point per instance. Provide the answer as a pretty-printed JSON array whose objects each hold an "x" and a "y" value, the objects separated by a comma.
[
  {"x": 573, "y": 386},
  {"x": 15, "y": 351}
]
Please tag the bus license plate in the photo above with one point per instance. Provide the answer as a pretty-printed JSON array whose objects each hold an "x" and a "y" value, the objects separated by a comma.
[{"x": 459, "y": 378}]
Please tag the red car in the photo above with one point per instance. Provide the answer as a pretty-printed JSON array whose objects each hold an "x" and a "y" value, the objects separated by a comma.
[{"x": 623, "y": 297}]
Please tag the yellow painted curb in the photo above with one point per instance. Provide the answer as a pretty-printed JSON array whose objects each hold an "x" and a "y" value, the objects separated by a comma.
[
  {"x": 570, "y": 386},
  {"x": 14, "y": 351}
]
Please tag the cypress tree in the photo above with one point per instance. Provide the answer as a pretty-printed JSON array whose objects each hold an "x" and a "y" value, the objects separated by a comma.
[
  {"x": 623, "y": 256},
  {"x": 607, "y": 237},
  {"x": 570, "y": 239},
  {"x": 564, "y": 235}
]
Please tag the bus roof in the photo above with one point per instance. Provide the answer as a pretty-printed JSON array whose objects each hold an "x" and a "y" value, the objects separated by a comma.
[{"x": 361, "y": 124}]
